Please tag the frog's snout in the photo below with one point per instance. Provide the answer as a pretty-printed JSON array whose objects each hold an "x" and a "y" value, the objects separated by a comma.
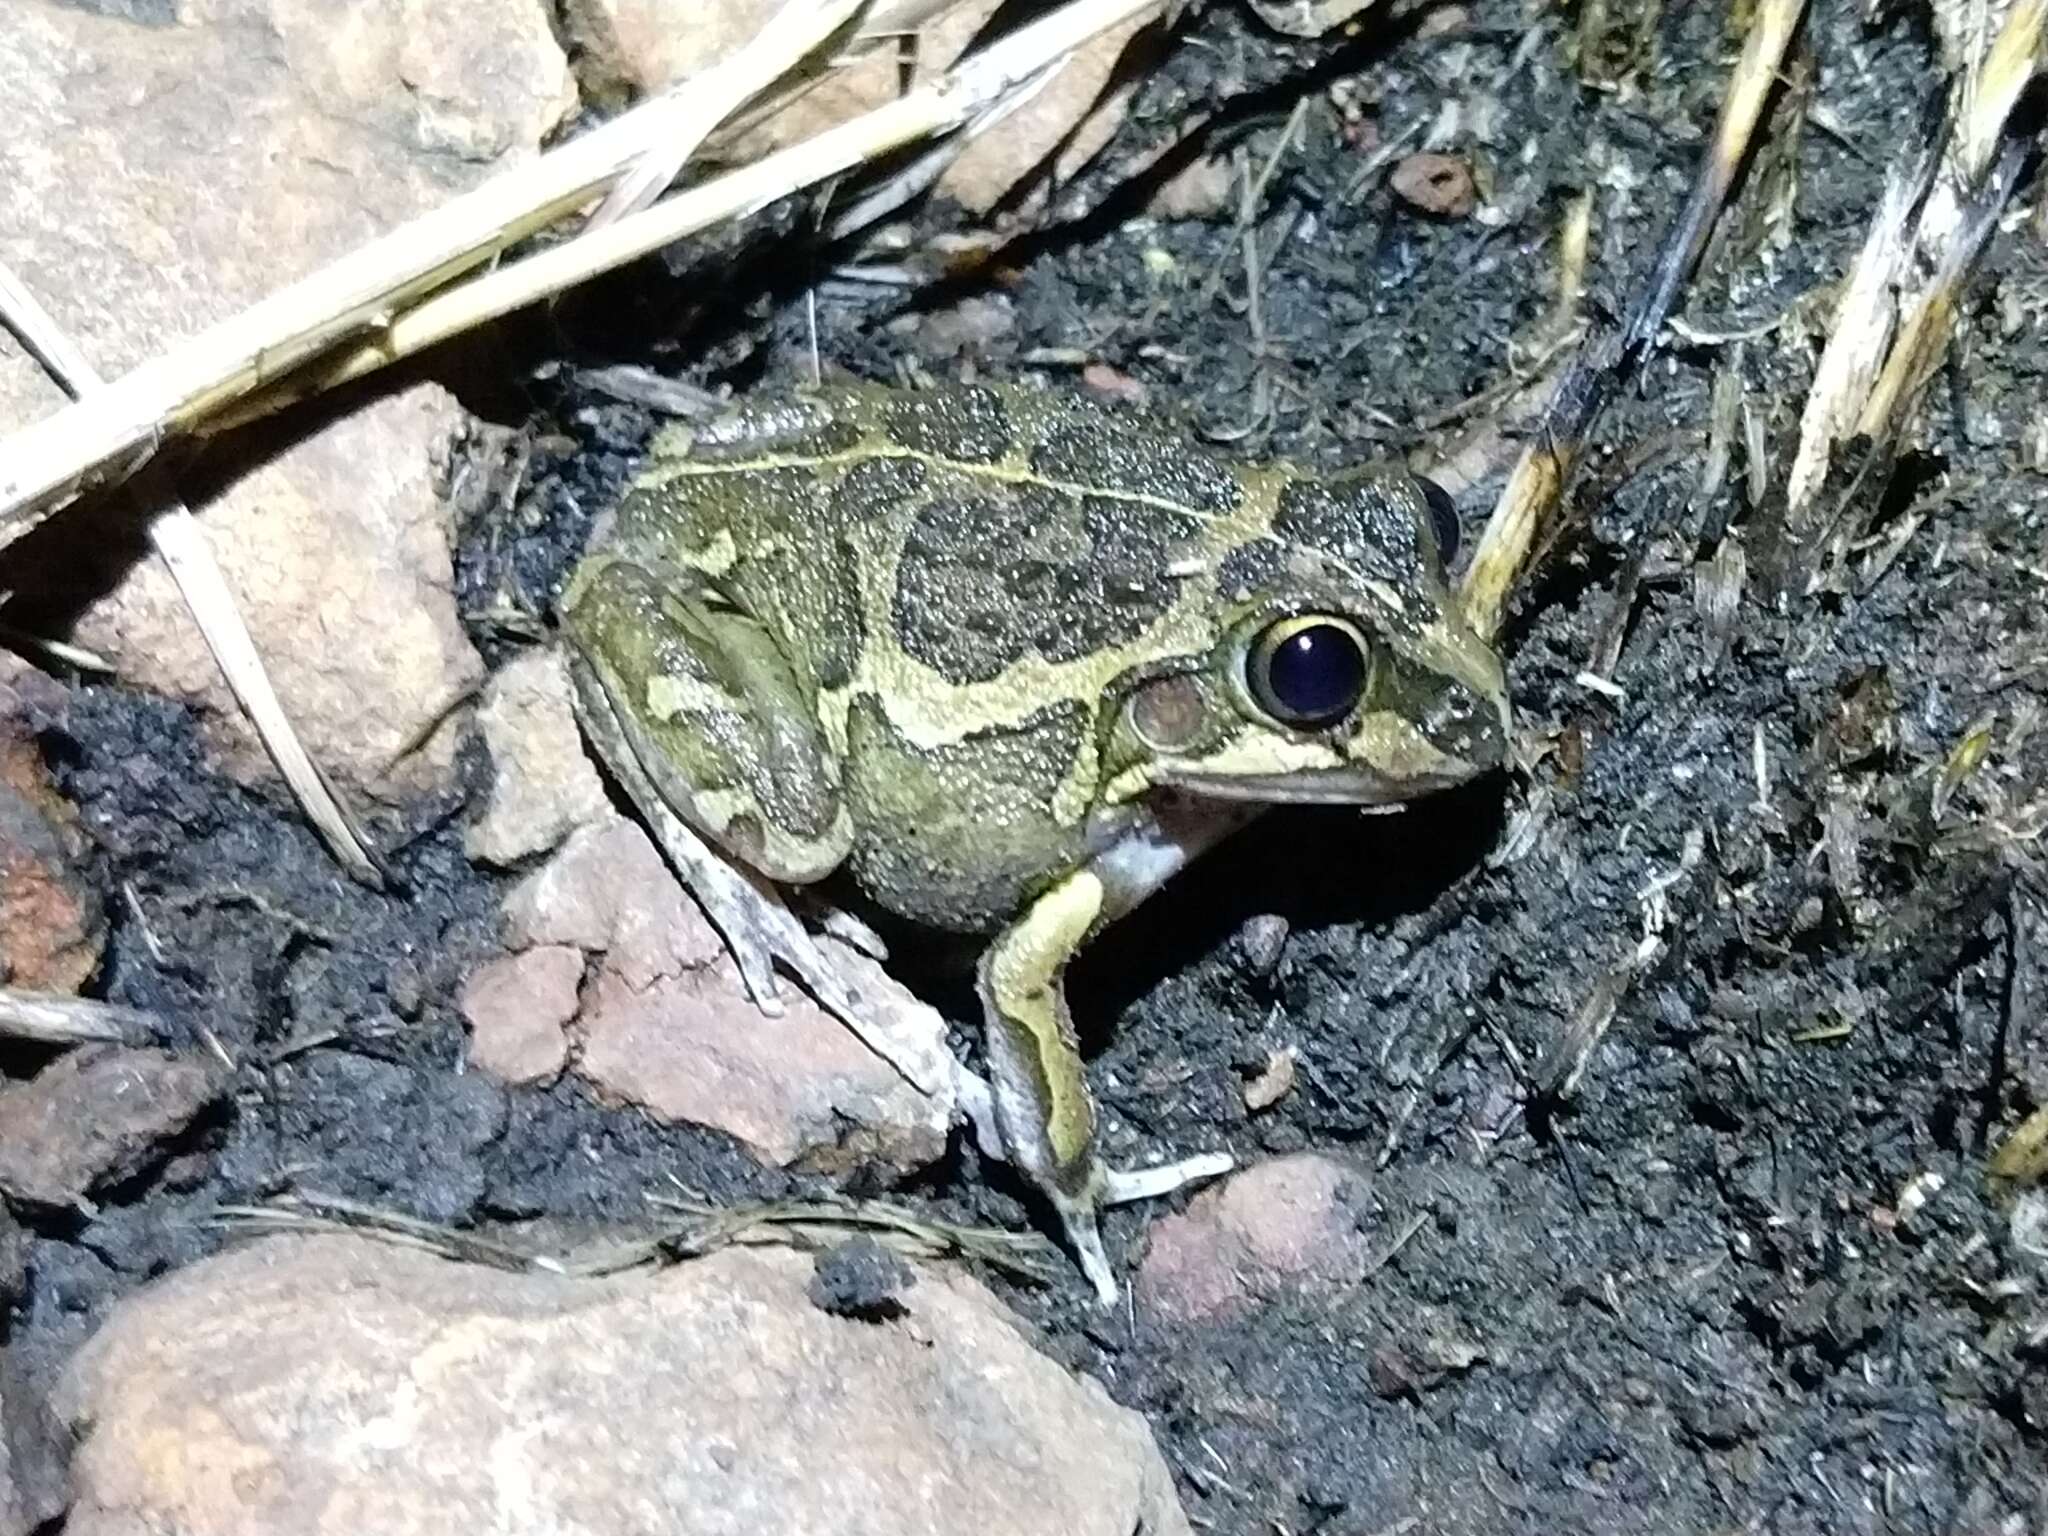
[{"x": 1469, "y": 723}]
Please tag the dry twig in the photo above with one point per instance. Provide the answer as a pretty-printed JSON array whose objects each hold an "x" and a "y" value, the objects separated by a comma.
[{"x": 1515, "y": 530}]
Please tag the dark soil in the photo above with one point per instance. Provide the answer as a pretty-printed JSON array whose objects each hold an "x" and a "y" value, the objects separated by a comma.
[{"x": 1672, "y": 1236}]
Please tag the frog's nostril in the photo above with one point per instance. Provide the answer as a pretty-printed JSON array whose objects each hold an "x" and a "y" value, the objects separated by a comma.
[{"x": 1468, "y": 725}]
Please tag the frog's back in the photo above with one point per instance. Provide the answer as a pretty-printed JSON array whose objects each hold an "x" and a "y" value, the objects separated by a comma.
[{"x": 967, "y": 527}]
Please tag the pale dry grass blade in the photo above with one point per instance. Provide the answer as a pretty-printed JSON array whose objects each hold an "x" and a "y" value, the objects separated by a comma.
[
  {"x": 688, "y": 116},
  {"x": 924, "y": 171},
  {"x": 46, "y": 464},
  {"x": 176, "y": 536},
  {"x": 1924, "y": 333},
  {"x": 1864, "y": 318},
  {"x": 1992, "y": 81},
  {"x": 1941, "y": 202}
]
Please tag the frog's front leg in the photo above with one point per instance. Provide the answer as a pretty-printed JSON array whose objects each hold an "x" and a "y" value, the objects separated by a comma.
[{"x": 1043, "y": 1108}]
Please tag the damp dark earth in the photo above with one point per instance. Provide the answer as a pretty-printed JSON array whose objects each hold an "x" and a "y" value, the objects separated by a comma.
[{"x": 1620, "y": 1127}]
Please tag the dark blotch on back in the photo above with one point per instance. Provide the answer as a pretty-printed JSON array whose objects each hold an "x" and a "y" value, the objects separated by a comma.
[
  {"x": 1357, "y": 523},
  {"x": 1331, "y": 532},
  {"x": 985, "y": 579},
  {"x": 1107, "y": 455},
  {"x": 1251, "y": 567},
  {"x": 960, "y": 836},
  {"x": 873, "y": 489},
  {"x": 965, "y": 424}
]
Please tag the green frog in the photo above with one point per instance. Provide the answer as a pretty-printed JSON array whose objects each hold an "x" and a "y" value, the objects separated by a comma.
[{"x": 1010, "y": 660}]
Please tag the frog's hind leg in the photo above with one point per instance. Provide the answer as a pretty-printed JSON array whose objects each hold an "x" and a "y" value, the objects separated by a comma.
[
  {"x": 1043, "y": 1108},
  {"x": 715, "y": 745}
]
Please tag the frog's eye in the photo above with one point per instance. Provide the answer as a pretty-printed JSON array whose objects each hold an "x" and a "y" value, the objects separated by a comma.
[
  {"x": 1308, "y": 671},
  {"x": 1443, "y": 517}
]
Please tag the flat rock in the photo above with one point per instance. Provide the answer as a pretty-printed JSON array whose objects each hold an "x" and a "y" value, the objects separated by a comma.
[
  {"x": 96, "y": 1116},
  {"x": 543, "y": 785},
  {"x": 607, "y": 891},
  {"x": 157, "y": 178},
  {"x": 518, "y": 1009},
  {"x": 664, "y": 1022},
  {"x": 13, "y": 1259},
  {"x": 305, "y": 1386},
  {"x": 1291, "y": 1222},
  {"x": 797, "y": 1090}
]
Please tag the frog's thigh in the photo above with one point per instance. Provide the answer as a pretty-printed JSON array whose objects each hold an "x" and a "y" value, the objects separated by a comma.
[
  {"x": 705, "y": 704},
  {"x": 745, "y": 907}
]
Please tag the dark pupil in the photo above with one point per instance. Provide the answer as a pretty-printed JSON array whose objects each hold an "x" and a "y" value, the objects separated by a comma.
[
  {"x": 1443, "y": 517},
  {"x": 1315, "y": 674}
]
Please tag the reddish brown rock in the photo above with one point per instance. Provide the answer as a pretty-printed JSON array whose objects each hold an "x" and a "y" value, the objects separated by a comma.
[
  {"x": 799, "y": 1089},
  {"x": 1293, "y": 1221},
  {"x": 51, "y": 924},
  {"x": 518, "y": 1009},
  {"x": 95, "y": 1117},
  {"x": 1436, "y": 183},
  {"x": 664, "y": 1022},
  {"x": 608, "y": 891},
  {"x": 328, "y": 1386}
]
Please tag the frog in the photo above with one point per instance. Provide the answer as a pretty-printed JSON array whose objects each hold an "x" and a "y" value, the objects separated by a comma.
[{"x": 1009, "y": 659}]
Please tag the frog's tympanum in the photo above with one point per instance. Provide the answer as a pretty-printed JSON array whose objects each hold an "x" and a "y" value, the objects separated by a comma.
[{"x": 1011, "y": 661}]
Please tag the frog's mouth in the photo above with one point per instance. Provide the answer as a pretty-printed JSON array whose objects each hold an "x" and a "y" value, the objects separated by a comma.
[{"x": 1324, "y": 786}]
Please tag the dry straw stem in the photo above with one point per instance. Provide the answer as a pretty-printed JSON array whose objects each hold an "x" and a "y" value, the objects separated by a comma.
[
  {"x": 705, "y": 1229},
  {"x": 1932, "y": 214},
  {"x": 366, "y": 295},
  {"x": 978, "y": 86},
  {"x": 1532, "y": 493},
  {"x": 176, "y": 536},
  {"x": 1861, "y": 331},
  {"x": 1924, "y": 334},
  {"x": 107, "y": 438},
  {"x": 49, "y": 1019}
]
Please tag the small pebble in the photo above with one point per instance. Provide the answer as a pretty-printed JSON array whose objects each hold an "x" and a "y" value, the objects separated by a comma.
[
  {"x": 861, "y": 1279},
  {"x": 1264, "y": 938},
  {"x": 1274, "y": 1082},
  {"x": 1436, "y": 183}
]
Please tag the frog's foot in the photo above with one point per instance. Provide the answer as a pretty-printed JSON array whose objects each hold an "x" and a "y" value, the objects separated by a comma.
[
  {"x": 1079, "y": 1213},
  {"x": 840, "y": 924},
  {"x": 763, "y": 934}
]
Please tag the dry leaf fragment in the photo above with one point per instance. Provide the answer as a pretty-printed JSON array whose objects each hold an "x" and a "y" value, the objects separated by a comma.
[{"x": 1274, "y": 1082}]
